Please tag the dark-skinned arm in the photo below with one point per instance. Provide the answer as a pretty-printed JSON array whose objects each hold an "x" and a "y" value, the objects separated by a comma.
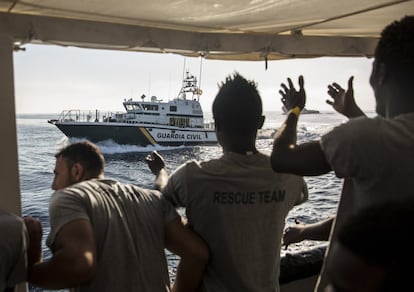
[
  {"x": 315, "y": 231},
  {"x": 287, "y": 156},
  {"x": 181, "y": 240},
  {"x": 74, "y": 261}
]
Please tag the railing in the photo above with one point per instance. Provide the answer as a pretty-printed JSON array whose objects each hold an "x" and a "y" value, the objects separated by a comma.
[
  {"x": 130, "y": 118},
  {"x": 209, "y": 125},
  {"x": 87, "y": 116}
]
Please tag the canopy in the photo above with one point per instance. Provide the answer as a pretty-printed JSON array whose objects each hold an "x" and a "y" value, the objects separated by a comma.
[
  {"x": 225, "y": 29},
  {"x": 214, "y": 29}
]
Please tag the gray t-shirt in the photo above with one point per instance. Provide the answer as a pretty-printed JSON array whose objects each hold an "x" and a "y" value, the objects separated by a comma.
[
  {"x": 129, "y": 227},
  {"x": 375, "y": 157},
  {"x": 238, "y": 204},
  {"x": 13, "y": 246}
]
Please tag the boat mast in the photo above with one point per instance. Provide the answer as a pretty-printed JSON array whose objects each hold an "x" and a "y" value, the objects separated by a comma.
[
  {"x": 199, "y": 76},
  {"x": 185, "y": 58},
  {"x": 190, "y": 85}
]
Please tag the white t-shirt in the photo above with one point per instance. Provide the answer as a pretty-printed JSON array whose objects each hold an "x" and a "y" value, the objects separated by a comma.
[
  {"x": 129, "y": 227},
  {"x": 238, "y": 205},
  {"x": 376, "y": 159}
]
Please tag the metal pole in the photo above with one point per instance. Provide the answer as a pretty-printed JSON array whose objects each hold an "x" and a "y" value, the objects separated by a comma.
[
  {"x": 9, "y": 162},
  {"x": 201, "y": 67}
]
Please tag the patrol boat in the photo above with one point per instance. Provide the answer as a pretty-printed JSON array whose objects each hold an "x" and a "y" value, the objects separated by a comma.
[{"x": 179, "y": 121}]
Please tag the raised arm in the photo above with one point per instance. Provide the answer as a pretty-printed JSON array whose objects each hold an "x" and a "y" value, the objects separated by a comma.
[
  {"x": 304, "y": 159},
  {"x": 344, "y": 101},
  {"x": 156, "y": 164},
  {"x": 193, "y": 253},
  {"x": 294, "y": 102}
]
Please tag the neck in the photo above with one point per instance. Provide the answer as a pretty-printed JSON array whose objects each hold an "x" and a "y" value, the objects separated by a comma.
[
  {"x": 88, "y": 177},
  {"x": 242, "y": 152},
  {"x": 237, "y": 143},
  {"x": 240, "y": 147},
  {"x": 397, "y": 101}
]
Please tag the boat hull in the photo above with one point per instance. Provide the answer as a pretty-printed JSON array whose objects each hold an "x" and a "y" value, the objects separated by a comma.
[{"x": 136, "y": 134}]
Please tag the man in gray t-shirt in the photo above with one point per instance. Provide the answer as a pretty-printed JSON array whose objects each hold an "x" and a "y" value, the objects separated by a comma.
[
  {"x": 13, "y": 245},
  {"x": 110, "y": 236},
  {"x": 236, "y": 203}
]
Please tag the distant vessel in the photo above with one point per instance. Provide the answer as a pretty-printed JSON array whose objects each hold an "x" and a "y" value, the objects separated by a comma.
[
  {"x": 303, "y": 112},
  {"x": 179, "y": 121}
]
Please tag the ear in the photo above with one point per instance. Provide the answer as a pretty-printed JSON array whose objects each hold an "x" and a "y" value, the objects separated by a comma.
[
  {"x": 77, "y": 172},
  {"x": 382, "y": 73},
  {"x": 217, "y": 125},
  {"x": 261, "y": 122}
]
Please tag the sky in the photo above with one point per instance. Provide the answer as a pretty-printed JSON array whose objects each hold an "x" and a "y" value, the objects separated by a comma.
[{"x": 49, "y": 79}]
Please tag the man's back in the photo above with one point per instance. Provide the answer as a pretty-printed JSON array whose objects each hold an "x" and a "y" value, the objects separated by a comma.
[
  {"x": 375, "y": 158},
  {"x": 128, "y": 224},
  {"x": 238, "y": 205},
  {"x": 13, "y": 265}
]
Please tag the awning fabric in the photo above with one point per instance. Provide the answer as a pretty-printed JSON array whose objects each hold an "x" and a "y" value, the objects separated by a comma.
[{"x": 225, "y": 29}]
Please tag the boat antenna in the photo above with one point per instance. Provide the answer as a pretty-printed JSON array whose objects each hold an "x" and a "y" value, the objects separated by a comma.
[
  {"x": 185, "y": 58},
  {"x": 201, "y": 66}
]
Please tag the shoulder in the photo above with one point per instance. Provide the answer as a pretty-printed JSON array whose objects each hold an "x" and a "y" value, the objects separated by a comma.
[
  {"x": 12, "y": 225},
  {"x": 365, "y": 131},
  {"x": 144, "y": 194},
  {"x": 353, "y": 124},
  {"x": 7, "y": 218},
  {"x": 363, "y": 124},
  {"x": 66, "y": 194},
  {"x": 291, "y": 181},
  {"x": 358, "y": 129},
  {"x": 77, "y": 194},
  {"x": 14, "y": 236},
  {"x": 147, "y": 192},
  {"x": 190, "y": 166}
]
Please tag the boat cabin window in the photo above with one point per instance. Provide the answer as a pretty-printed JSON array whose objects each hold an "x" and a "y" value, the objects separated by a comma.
[
  {"x": 180, "y": 122},
  {"x": 130, "y": 107},
  {"x": 150, "y": 107},
  {"x": 173, "y": 108}
]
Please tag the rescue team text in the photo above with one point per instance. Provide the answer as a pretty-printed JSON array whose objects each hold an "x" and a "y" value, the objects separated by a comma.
[{"x": 249, "y": 197}]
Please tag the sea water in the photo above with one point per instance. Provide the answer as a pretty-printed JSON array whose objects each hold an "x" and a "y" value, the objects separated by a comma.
[{"x": 38, "y": 141}]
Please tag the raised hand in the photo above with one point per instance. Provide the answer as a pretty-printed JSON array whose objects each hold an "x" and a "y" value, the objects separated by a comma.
[
  {"x": 343, "y": 101},
  {"x": 292, "y": 98},
  {"x": 155, "y": 162}
]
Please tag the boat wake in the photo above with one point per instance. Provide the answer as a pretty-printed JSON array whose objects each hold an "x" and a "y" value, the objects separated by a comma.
[{"x": 110, "y": 147}]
